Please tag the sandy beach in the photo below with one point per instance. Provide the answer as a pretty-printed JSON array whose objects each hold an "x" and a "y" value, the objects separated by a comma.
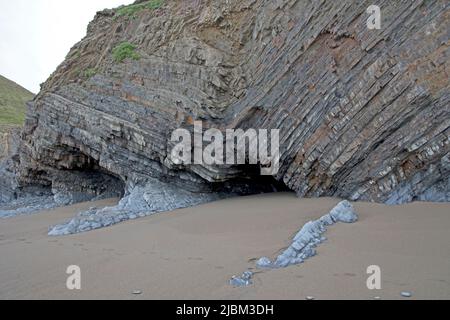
[{"x": 192, "y": 253}]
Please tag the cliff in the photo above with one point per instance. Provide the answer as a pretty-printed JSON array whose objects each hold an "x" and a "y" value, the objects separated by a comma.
[
  {"x": 363, "y": 114},
  {"x": 12, "y": 115}
]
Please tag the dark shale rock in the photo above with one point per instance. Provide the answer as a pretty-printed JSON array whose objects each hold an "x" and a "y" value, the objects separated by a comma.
[{"x": 364, "y": 114}]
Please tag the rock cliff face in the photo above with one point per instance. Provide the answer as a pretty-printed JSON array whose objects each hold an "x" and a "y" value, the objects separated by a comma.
[
  {"x": 7, "y": 142},
  {"x": 364, "y": 114}
]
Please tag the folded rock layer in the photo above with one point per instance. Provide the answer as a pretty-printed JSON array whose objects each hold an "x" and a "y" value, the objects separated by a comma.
[{"x": 363, "y": 114}]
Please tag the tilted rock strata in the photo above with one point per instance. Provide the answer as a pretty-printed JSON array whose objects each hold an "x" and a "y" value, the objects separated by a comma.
[
  {"x": 364, "y": 114},
  {"x": 304, "y": 243},
  {"x": 64, "y": 187},
  {"x": 310, "y": 236}
]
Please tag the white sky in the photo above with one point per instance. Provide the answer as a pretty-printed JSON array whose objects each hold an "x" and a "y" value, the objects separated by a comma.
[{"x": 36, "y": 35}]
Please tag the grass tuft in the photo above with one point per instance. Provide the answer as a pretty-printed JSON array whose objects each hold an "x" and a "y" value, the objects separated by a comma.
[
  {"x": 133, "y": 9},
  {"x": 124, "y": 51},
  {"x": 90, "y": 72}
]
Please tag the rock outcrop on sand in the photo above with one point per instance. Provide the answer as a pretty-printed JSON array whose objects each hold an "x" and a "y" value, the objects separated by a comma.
[
  {"x": 364, "y": 114},
  {"x": 310, "y": 236},
  {"x": 304, "y": 243},
  {"x": 141, "y": 201}
]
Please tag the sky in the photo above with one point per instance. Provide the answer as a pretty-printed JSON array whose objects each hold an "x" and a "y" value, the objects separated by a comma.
[{"x": 36, "y": 35}]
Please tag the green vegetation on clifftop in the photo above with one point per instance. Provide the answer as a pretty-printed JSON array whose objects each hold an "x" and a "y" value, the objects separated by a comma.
[
  {"x": 12, "y": 103},
  {"x": 133, "y": 9}
]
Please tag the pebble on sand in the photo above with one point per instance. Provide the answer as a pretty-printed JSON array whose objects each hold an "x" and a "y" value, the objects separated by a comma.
[
  {"x": 406, "y": 294},
  {"x": 310, "y": 298},
  {"x": 137, "y": 292}
]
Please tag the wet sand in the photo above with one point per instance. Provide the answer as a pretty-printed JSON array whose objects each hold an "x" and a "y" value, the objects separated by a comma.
[{"x": 192, "y": 253}]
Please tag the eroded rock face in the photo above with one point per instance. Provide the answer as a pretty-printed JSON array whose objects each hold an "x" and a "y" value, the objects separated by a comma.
[
  {"x": 55, "y": 188},
  {"x": 9, "y": 142},
  {"x": 364, "y": 114}
]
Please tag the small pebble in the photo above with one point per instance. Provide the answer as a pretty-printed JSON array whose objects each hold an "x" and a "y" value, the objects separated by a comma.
[
  {"x": 310, "y": 298},
  {"x": 406, "y": 294},
  {"x": 376, "y": 298},
  {"x": 137, "y": 292}
]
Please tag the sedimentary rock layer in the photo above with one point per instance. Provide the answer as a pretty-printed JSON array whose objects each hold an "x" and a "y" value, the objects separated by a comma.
[{"x": 364, "y": 114}]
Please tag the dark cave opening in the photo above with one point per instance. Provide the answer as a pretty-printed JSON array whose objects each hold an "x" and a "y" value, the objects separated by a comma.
[
  {"x": 252, "y": 182},
  {"x": 81, "y": 176}
]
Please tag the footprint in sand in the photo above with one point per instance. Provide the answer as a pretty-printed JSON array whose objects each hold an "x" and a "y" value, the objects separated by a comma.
[
  {"x": 349, "y": 274},
  {"x": 195, "y": 259},
  {"x": 345, "y": 275},
  {"x": 443, "y": 281}
]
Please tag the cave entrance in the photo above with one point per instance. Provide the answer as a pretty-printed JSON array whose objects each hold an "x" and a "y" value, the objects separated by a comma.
[
  {"x": 252, "y": 182},
  {"x": 81, "y": 178}
]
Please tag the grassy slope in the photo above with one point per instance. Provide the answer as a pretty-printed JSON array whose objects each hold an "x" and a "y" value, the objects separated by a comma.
[{"x": 12, "y": 103}]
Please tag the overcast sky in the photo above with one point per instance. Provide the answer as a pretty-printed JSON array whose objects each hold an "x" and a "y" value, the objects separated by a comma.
[{"x": 36, "y": 35}]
